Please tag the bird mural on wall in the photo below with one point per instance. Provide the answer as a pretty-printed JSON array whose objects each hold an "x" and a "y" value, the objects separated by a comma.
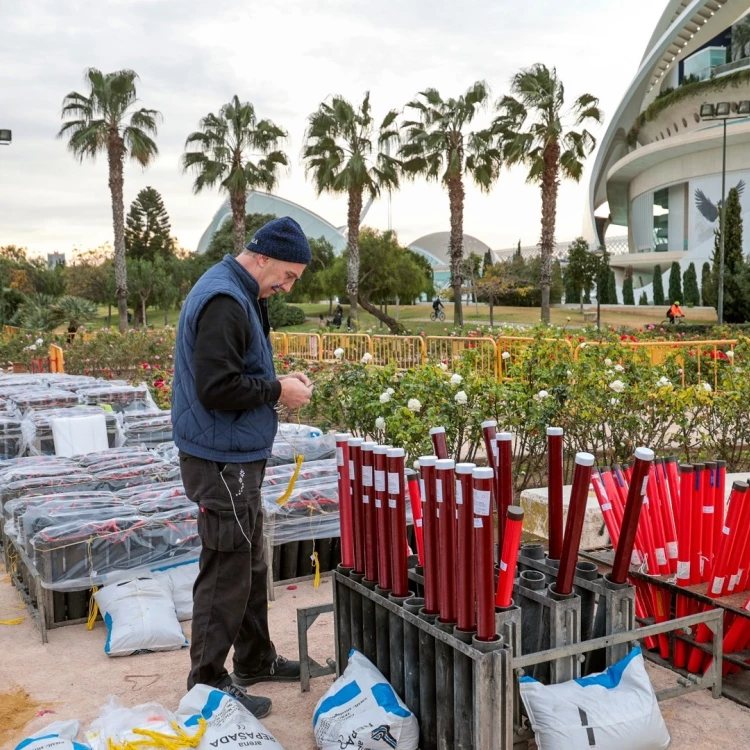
[{"x": 707, "y": 208}]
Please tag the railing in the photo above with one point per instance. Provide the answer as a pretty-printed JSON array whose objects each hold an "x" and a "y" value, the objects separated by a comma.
[
  {"x": 481, "y": 352},
  {"x": 56, "y": 359},
  {"x": 403, "y": 351},
  {"x": 354, "y": 346},
  {"x": 300, "y": 345},
  {"x": 509, "y": 348}
]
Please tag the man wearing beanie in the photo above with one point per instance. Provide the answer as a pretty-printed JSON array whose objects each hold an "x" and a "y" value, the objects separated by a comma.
[{"x": 224, "y": 396}]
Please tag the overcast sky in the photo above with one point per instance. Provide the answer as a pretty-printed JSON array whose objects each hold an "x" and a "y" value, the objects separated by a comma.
[{"x": 285, "y": 57}]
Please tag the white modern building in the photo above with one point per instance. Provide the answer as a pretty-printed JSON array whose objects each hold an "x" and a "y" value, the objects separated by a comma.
[{"x": 659, "y": 165}]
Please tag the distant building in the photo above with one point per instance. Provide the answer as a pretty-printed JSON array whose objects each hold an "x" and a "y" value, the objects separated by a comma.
[
  {"x": 435, "y": 248},
  {"x": 54, "y": 260}
]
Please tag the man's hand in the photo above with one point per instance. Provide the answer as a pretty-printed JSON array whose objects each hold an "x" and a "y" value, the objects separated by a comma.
[
  {"x": 297, "y": 376},
  {"x": 294, "y": 393}
]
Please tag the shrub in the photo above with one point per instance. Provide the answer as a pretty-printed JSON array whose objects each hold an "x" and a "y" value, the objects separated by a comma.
[{"x": 280, "y": 314}]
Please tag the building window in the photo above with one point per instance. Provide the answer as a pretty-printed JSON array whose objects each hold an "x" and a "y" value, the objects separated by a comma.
[
  {"x": 704, "y": 61},
  {"x": 661, "y": 220}
]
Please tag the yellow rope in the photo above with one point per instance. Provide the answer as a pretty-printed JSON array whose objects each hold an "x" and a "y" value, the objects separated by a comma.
[
  {"x": 178, "y": 741},
  {"x": 17, "y": 621},
  {"x": 316, "y": 563},
  {"x": 290, "y": 488},
  {"x": 93, "y": 609}
]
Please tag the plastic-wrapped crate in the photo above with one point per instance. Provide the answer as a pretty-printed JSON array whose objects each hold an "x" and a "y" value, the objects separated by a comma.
[
  {"x": 108, "y": 463},
  {"x": 15, "y": 509},
  {"x": 140, "y": 493},
  {"x": 92, "y": 459},
  {"x": 294, "y": 440},
  {"x": 11, "y": 437},
  {"x": 68, "y": 382},
  {"x": 310, "y": 470},
  {"x": 33, "y": 486},
  {"x": 150, "y": 431},
  {"x": 37, "y": 430},
  {"x": 115, "y": 479},
  {"x": 170, "y": 500},
  {"x": 41, "y": 398},
  {"x": 121, "y": 397}
]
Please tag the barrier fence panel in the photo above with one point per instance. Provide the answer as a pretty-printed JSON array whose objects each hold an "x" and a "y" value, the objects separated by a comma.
[
  {"x": 403, "y": 351},
  {"x": 56, "y": 359},
  {"x": 480, "y": 352},
  {"x": 278, "y": 342},
  {"x": 303, "y": 346},
  {"x": 355, "y": 346}
]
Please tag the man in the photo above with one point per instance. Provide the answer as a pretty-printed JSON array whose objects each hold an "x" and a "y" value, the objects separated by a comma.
[
  {"x": 437, "y": 304},
  {"x": 223, "y": 412},
  {"x": 675, "y": 312}
]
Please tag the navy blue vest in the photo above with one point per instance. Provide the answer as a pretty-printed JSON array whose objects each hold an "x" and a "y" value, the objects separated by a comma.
[{"x": 224, "y": 436}]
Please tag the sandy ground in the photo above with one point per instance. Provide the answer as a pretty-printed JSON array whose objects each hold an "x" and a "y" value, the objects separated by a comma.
[{"x": 73, "y": 677}]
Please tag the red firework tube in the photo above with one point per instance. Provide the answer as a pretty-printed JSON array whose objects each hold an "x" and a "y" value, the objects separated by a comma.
[
  {"x": 438, "y": 442},
  {"x": 415, "y": 498},
  {"x": 719, "y": 498},
  {"x": 489, "y": 430},
  {"x": 739, "y": 558},
  {"x": 627, "y": 472},
  {"x": 633, "y": 508},
  {"x": 430, "y": 529},
  {"x": 445, "y": 494},
  {"x": 370, "y": 513},
  {"x": 485, "y": 553},
  {"x": 685, "y": 516},
  {"x": 657, "y": 527},
  {"x": 729, "y": 538},
  {"x": 509, "y": 556},
  {"x": 345, "y": 500},
  {"x": 504, "y": 478},
  {"x": 358, "y": 510},
  {"x": 708, "y": 519},
  {"x": 667, "y": 515},
  {"x": 696, "y": 527},
  {"x": 673, "y": 480},
  {"x": 606, "y": 507},
  {"x": 579, "y": 496},
  {"x": 397, "y": 508},
  {"x": 382, "y": 515},
  {"x": 465, "y": 583},
  {"x": 555, "y": 491},
  {"x": 616, "y": 493},
  {"x": 734, "y": 638}
]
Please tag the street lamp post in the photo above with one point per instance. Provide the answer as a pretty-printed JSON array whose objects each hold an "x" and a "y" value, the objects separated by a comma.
[
  {"x": 598, "y": 254},
  {"x": 723, "y": 111}
]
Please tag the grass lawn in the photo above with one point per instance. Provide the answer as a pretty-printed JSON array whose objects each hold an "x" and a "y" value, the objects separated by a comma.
[{"x": 416, "y": 317}]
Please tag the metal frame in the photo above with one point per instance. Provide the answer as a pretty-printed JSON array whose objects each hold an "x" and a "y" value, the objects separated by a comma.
[{"x": 308, "y": 667}]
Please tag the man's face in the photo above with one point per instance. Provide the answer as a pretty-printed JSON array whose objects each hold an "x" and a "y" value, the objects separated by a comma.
[{"x": 278, "y": 276}]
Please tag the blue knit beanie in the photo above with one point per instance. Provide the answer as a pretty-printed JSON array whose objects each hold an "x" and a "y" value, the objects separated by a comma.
[{"x": 282, "y": 239}]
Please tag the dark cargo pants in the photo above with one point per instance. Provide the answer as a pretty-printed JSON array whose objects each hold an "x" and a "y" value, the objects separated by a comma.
[{"x": 230, "y": 601}]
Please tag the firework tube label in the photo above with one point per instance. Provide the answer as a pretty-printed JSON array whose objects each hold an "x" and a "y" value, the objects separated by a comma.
[
  {"x": 393, "y": 483},
  {"x": 351, "y": 468},
  {"x": 683, "y": 570},
  {"x": 645, "y": 484},
  {"x": 339, "y": 456},
  {"x": 477, "y": 523},
  {"x": 717, "y": 585},
  {"x": 672, "y": 550},
  {"x": 459, "y": 493},
  {"x": 378, "y": 504},
  {"x": 391, "y": 502},
  {"x": 379, "y": 481},
  {"x": 366, "y": 499},
  {"x": 503, "y": 565},
  {"x": 439, "y": 490},
  {"x": 708, "y": 509},
  {"x": 422, "y": 493},
  {"x": 661, "y": 558},
  {"x": 367, "y": 476},
  {"x": 482, "y": 502},
  {"x": 606, "y": 507}
]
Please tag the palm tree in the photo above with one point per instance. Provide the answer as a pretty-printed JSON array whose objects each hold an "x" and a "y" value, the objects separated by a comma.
[
  {"x": 740, "y": 39},
  {"x": 240, "y": 153},
  {"x": 438, "y": 148},
  {"x": 531, "y": 130},
  {"x": 105, "y": 121},
  {"x": 345, "y": 155}
]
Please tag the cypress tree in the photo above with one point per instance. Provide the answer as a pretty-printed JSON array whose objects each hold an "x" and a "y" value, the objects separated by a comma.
[
  {"x": 735, "y": 296},
  {"x": 658, "y": 287},
  {"x": 690, "y": 286},
  {"x": 643, "y": 299},
  {"x": 675, "y": 283},
  {"x": 708, "y": 292},
  {"x": 627, "y": 288},
  {"x": 612, "y": 289}
]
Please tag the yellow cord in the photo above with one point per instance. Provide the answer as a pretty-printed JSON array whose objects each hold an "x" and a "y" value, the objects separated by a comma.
[
  {"x": 17, "y": 621},
  {"x": 179, "y": 741},
  {"x": 93, "y": 609},
  {"x": 316, "y": 563},
  {"x": 290, "y": 488}
]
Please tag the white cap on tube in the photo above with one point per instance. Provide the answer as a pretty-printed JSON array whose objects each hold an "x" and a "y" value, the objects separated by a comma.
[
  {"x": 436, "y": 430},
  {"x": 368, "y": 446},
  {"x": 396, "y": 453},
  {"x": 554, "y": 431},
  {"x": 465, "y": 468},
  {"x": 427, "y": 460},
  {"x": 483, "y": 472},
  {"x": 645, "y": 454},
  {"x": 489, "y": 423},
  {"x": 356, "y": 442},
  {"x": 381, "y": 450},
  {"x": 502, "y": 437},
  {"x": 585, "y": 459},
  {"x": 445, "y": 463},
  {"x": 342, "y": 437}
]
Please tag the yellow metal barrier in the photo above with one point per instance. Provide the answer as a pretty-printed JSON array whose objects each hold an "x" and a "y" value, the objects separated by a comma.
[
  {"x": 9, "y": 331},
  {"x": 510, "y": 347},
  {"x": 303, "y": 346},
  {"x": 56, "y": 359},
  {"x": 279, "y": 343},
  {"x": 448, "y": 349},
  {"x": 355, "y": 346},
  {"x": 403, "y": 351}
]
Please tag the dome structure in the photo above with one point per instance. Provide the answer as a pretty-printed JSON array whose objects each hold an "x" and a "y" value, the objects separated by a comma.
[{"x": 435, "y": 248}]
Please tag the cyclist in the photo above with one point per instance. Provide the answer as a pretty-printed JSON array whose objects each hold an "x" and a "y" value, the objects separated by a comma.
[
  {"x": 437, "y": 304},
  {"x": 675, "y": 312}
]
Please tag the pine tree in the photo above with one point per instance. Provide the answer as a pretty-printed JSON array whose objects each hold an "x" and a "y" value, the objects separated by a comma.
[
  {"x": 735, "y": 296},
  {"x": 612, "y": 289},
  {"x": 643, "y": 299},
  {"x": 147, "y": 229},
  {"x": 627, "y": 287},
  {"x": 708, "y": 292},
  {"x": 658, "y": 286},
  {"x": 517, "y": 254},
  {"x": 675, "y": 283},
  {"x": 690, "y": 287}
]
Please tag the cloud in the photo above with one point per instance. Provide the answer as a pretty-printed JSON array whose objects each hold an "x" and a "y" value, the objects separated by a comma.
[{"x": 286, "y": 57}]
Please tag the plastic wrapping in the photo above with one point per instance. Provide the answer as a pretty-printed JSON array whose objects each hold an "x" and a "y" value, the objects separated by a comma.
[
  {"x": 120, "y": 397},
  {"x": 14, "y": 509},
  {"x": 69, "y": 382},
  {"x": 43, "y": 485},
  {"x": 118, "y": 478},
  {"x": 310, "y": 469},
  {"x": 92, "y": 459},
  {"x": 141, "y": 493},
  {"x": 80, "y": 555},
  {"x": 37, "y": 431},
  {"x": 11, "y": 437},
  {"x": 41, "y": 398},
  {"x": 288, "y": 445},
  {"x": 149, "y": 431}
]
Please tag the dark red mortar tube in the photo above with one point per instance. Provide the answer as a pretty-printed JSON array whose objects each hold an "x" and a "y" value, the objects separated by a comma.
[
  {"x": 358, "y": 513},
  {"x": 430, "y": 530},
  {"x": 371, "y": 521},
  {"x": 397, "y": 507},
  {"x": 345, "y": 500},
  {"x": 504, "y": 479},
  {"x": 485, "y": 553},
  {"x": 465, "y": 583},
  {"x": 555, "y": 491},
  {"x": 438, "y": 442},
  {"x": 382, "y": 516},
  {"x": 445, "y": 480}
]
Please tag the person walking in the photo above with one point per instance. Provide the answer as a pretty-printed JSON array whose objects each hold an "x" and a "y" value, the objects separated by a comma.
[{"x": 225, "y": 395}]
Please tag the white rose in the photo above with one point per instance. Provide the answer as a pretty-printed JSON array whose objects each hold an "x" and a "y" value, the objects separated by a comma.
[
  {"x": 366, "y": 357},
  {"x": 617, "y": 386},
  {"x": 39, "y": 342},
  {"x": 456, "y": 379},
  {"x": 614, "y": 401},
  {"x": 385, "y": 397},
  {"x": 541, "y": 395},
  {"x": 461, "y": 397},
  {"x": 583, "y": 345},
  {"x": 663, "y": 382},
  {"x": 338, "y": 353},
  {"x": 390, "y": 391},
  {"x": 730, "y": 354},
  {"x": 608, "y": 362},
  {"x": 32, "y": 347},
  {"x": 414, "y": 404},
  {"x": 506, "y": 355},
  {"x": 706, "y": 387},
  {"x": 570, "y": 373},
  {"x": 619, "y": 368},
  {"x": 443, "y": 367},
  {"x": 380, "y": 423}
]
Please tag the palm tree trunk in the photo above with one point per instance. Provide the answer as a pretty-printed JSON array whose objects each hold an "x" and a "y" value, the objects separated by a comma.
[
  {"x": 352, "y": 267},
  {"x": 395, "y": 327},
  {"x": 492, "y": 310},
  {"x": 550, "y": 184},
  {"x": 115, "y": 155},
  {"x": 456, "y": 196},
  {"x": 143, "y": 311},
  {"x": 237, "y": 202}
]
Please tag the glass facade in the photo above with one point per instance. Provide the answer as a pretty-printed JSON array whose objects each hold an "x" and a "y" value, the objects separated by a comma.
[
  {"x": 661, "y": 221},
  {"x": 704, "y": 61}
]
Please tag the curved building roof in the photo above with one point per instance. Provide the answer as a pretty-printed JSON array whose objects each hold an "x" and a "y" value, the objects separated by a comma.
[
  {"x": 684, "y": 27},
  {"x": 265, "y": 203},
  {"x": 435, "y": 247}
]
